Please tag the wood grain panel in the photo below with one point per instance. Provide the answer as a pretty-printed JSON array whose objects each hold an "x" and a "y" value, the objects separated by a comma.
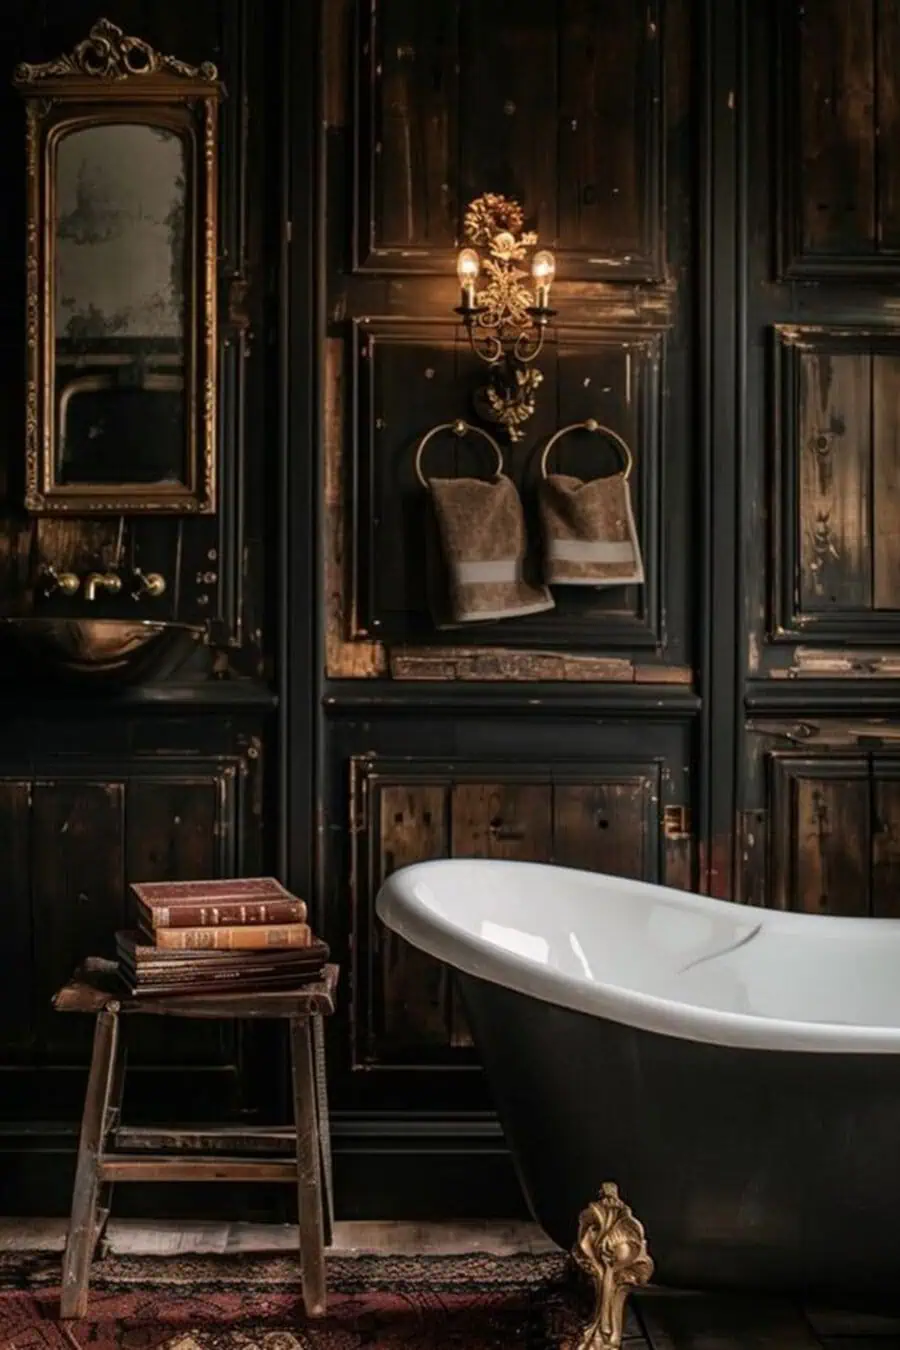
[
  {"x": 886, "y": 481},
  {"x": 414, "y": 998},
  {"x": 508, "y": 95},
  {"x": 602, "y": 157},
  {"x": 837, "y": 126},
  {"x": 78, "y": 889},
  {"x": 172, "y": 830},
  {"x": 886, "y": 848},
  {"x": 603, "y": 827},
  {"x": 502, "y": 820},
  {"x": 831, "y": 844},
  {"x": 834, "y": 446},
  {"x": 559, "y": 106},
  {"x": 17, "y": 988},
  {"x": 887, "y": 65},
  {"x": 416, "y": 70}
]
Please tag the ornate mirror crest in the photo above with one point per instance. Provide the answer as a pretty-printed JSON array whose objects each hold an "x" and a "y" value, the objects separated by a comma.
[{"x": 121, "y": 237}]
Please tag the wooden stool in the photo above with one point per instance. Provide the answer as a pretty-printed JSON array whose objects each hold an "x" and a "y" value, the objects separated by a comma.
[{"x": 99, "y": 1165}]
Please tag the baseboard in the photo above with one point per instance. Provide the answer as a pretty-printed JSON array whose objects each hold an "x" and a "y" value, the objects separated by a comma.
[{"x": 386, "y": 1166}]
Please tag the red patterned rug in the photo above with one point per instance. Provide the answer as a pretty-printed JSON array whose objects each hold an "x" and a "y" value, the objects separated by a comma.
[{"x": 252, "y": 1303}]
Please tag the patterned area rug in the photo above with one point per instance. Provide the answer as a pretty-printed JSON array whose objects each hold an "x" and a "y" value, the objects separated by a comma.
[{"x": 252, "y": 1303}]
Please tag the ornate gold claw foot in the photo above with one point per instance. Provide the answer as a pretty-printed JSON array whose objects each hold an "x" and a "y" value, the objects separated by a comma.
[{"x": 611, "y": 1248}]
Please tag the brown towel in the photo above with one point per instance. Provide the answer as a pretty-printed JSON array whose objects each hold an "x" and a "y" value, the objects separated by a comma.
[
  {"x": 481, "y": 533},
  {"x": 589, "y": 533}
]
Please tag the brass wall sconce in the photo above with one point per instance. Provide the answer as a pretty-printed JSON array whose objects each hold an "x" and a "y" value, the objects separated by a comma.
[{"x": 505, "y": 320}]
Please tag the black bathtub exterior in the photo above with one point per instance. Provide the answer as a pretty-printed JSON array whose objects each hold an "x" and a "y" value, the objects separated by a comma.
[{"x": 749, "y": 1169}]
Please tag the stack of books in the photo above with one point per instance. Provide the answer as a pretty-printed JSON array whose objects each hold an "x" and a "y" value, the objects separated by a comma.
[{"x": 212, "y": 937}]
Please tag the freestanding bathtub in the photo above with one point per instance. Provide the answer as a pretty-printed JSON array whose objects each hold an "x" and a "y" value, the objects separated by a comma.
[{"x": 735, "y": 1071}]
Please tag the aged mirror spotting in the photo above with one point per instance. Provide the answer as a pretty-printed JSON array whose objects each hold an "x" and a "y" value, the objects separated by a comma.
[{"x": 121, "y": 298}]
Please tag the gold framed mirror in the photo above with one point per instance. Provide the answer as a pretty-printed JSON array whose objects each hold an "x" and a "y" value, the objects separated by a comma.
[{"x": 121, "y": 342}]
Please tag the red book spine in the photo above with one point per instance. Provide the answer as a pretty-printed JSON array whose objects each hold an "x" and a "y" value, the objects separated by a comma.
[{"x": 231, "y": 913}]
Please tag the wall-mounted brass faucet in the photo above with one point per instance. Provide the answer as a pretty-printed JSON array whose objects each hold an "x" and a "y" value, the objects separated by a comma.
[
  {"x": 67, "y": 582},
  {"x": 102, "y": 581},
  {"x": 148, "y": 583}
]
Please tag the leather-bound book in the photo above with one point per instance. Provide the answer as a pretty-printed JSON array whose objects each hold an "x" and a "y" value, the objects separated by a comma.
[{"x": 221, "y": 903}]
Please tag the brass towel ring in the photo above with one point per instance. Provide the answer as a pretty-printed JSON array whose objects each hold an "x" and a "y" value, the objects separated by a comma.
[
  {"x": 459, "y": 428},
  {"x": 591, "y": 425}
]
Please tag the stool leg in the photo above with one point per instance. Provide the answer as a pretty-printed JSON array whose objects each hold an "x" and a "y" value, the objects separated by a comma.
[
  {"x": 82, "y": 1221},
  {"x": 309, "y": 1172},
  {"x": 318, "y": 1032},
  {"x": 111, "y": 1124}
]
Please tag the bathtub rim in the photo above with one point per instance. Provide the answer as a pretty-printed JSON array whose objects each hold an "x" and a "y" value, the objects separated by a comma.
[{"x": 398, "y": 908}]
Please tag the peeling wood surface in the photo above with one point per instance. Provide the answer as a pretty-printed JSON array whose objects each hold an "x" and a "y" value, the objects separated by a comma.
[
  {"x": 415, "y": 998},
  {"x": 467, "y": 663},
  {"x": 834, "y": 442},
  {"x": 830, "y": 828}
]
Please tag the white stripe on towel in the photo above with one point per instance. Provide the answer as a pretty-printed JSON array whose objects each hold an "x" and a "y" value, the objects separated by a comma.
[
  {"x": 590, "y": 551},
  {"x": 501, "y": 569}
]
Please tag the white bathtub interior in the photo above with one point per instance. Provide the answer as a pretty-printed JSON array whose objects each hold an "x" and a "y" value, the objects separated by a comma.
[{"x": 654, "y": 957}]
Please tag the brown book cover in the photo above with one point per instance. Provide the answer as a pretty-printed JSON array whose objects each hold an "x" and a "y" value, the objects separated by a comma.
[
  {"x": 256, "y": 983},
  {"x": 254, "y": 937},
  {"x": 184, "y": 976},
  {"x": 225, "y": 902}
]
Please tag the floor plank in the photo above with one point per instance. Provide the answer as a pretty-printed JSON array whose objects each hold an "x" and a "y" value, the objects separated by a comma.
[{"x": 724, "y": 1322}]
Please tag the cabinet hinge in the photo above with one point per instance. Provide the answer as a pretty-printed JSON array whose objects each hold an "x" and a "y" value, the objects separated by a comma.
[{"x": 677, "y": 822}]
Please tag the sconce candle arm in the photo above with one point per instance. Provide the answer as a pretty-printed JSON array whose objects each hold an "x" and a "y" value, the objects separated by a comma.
[{"x": 505, "y": 321}]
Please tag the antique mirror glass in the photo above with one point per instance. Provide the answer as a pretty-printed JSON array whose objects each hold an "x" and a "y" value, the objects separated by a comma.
[{"x": 121, "y": 315}]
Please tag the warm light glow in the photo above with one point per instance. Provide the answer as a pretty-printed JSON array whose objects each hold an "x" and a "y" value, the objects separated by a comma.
[
  {"x": 468, "y": 265},
  {"x": 543, "y": 267}
]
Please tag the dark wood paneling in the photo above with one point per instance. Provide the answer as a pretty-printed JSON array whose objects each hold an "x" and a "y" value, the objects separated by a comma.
[
  {"x": 502, "y": 820},
  {"x": 606, "y": 827},
  {"x": 509, "y": 93},
  {"x": 822, "y": 834},
  {"x": 558, "y": 105},
  {"x": 411, "y": 83},
  {"x": 408, "y": 380},
  {"x": 834, "y": 446},
  {"x": 885, "y": 492},
  {"x": 16, "y": 918},
  {"x": 838, "y": 92},
  {"x": 174, "y": 829},
  {"x": 78, "y": 899},
  {"x": 837, "y": 126},
  {"x": 886, "y": 847},
  {"x": 835, "y": 551},
  {"x": 414, "y": 989},
  {"x": 606, "y": 85},
  {"x": 831, "y": 828}
]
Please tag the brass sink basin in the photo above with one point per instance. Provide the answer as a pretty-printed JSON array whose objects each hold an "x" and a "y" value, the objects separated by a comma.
[{"x": 103, "y": 651}]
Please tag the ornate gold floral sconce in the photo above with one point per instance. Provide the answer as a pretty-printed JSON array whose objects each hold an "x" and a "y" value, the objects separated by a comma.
[{"x": 505, "y": 320}]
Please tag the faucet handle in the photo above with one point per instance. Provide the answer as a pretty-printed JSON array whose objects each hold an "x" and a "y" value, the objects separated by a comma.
[
  {"x": 67, "y": 582},
  {"x": 148, "y": 583},
  {"x": 101, "y": 581}
]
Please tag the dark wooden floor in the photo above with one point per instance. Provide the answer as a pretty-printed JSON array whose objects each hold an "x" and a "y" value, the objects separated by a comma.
[{"x": 671, "y": 1321}]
